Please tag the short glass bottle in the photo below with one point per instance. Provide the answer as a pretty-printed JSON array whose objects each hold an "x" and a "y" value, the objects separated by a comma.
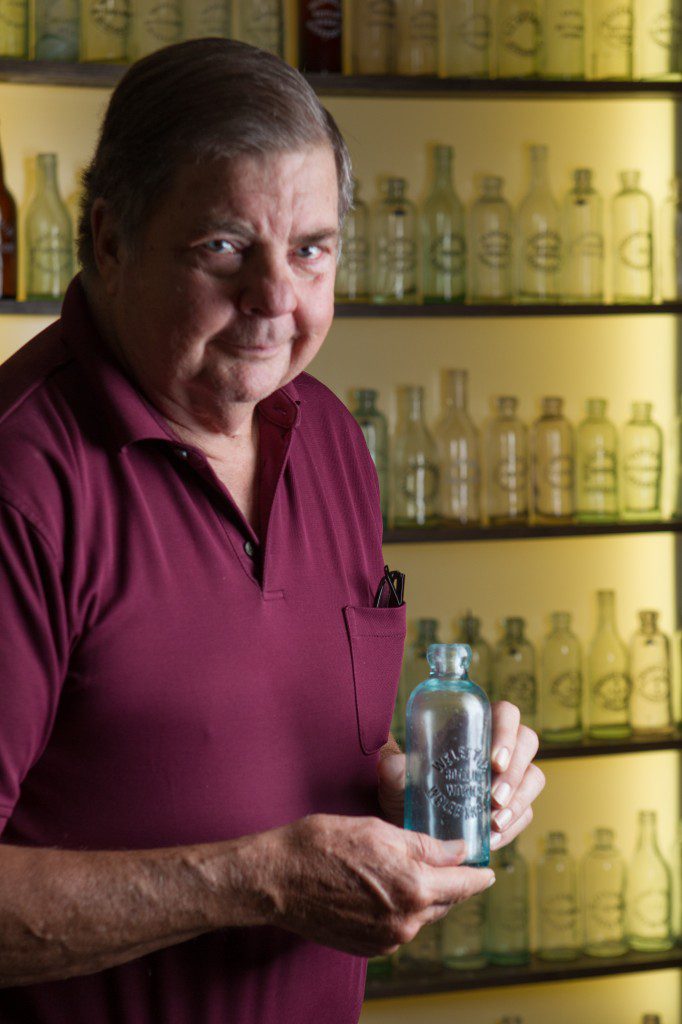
[
  {"x": 649, "y": 892},
  {"x": 418, "y": 36},
  {"x": 414, "y": 464},
  {"x": 443, "y": 235},
  {"x": 561, "y": 690},
  {"x": 597, "y": 465},
  {"x": 56, "y": 30},
  {"x": 447, "y": 744},
  {"x": 104, "y": 30},
  {"x": 651, "y": 702},
  {"x": 563, "y": 50},
  {"x": 395, "y": 245},
  {"x": 154, "y": 25},
  {"x": 458, "y": 454},
  {"x": 641, "y": 465},
  {"x": 261, "y": 23},
  {"x": 354, "y": 268},
  {"x": 481, "y": 668},
  {"x": 374, "y": 427},
  {"x": 612, "y": 38},
  {"x": 519, "y": 39},
  {"x": 49, "y": 235},
  {"x": 467, "y": 32},
  {"x": 609, "y": 677},
  {"x": 538, "y": 236},
  {"x": 670, "y": 243},
  {"x": 552, "y": 448},
  {"x": 632, "y": 233},
  {"x": 603, "y": 894},
  {"x": 464, "y": 935},
  {"x": 583, "y": 238},
  {"x": 14, "y": 26},
  {"x": 557, "y": 902},
  {"x": 514, "y": 677},
  {"x": 412, "y": 672},
  {"x": 506, "y": 465},
  {"x": 491, "y": 245},
  {"x": 507, "y": 935},
  {"x": 658, "y": 31},
  {"x": 374, "y": 37}
]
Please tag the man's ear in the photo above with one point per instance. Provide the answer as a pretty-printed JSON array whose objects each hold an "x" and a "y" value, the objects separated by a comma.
[{"x": 106, "y": 244}]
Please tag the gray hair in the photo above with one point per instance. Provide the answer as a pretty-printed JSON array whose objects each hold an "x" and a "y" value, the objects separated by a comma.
[{"x": 194, "y": 101}]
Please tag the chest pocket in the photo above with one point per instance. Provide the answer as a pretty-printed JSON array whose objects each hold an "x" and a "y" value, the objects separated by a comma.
[{"x": 377, "y": 638}]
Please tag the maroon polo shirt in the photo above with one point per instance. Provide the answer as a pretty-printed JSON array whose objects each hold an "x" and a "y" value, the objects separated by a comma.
[{"x": 169, "y": 677}]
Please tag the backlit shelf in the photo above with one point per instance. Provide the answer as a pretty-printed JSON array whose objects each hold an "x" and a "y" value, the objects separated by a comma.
[
  {"x": 503, "y": 311},
  {"x": 587, "y": 747},
  {"x": 524, "y": 531}
]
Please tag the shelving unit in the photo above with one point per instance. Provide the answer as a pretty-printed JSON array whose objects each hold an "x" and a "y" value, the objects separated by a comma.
[{"x": 524, "y": 531}]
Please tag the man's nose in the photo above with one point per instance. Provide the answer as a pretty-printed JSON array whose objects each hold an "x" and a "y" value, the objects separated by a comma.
[{"x": 269, "y": 288}]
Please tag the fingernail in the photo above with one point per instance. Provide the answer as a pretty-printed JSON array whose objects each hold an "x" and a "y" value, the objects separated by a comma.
[
  {"x": 502, "y": 818},
  {"x": 495, "y": 840},
  {"x": 491, "y": 882},
  {"x": 502, "y": 793},
  {"x": 501, "y": 758}
]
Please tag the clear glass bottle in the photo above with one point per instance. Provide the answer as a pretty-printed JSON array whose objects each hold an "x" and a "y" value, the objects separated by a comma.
[
  {"x": 677, "y": 460},
  {"x": 612, "y": 45},
  {"x": 651, "y": 704},
  {"x": 491, "y": 244},
  {"x": 412, "y": 672},
  {"x": 519, "y": 39},
  {"x": 443, "y": 235},
  {"x": 563, "y": 51},
  {"x": 104, "y": 30},
  {"x": 514, "y": 677},
  {"x": 206, "y": 18},
  {"x": 424, "y": 954},
  {"x": 507, "y": 933},
  {"x": 649, "y": 892},
  {"x": 506, "y": 464},
  {"x": 481, "y": 668},
  {"x": 48, "y": 233},
  {"x": 467, "y": 32},
  {"x": 261, "y": 23},
  {"x": 447, "y": 743},
  {"x": 374, "y": 426},
  {"x": 538, "y": 230},
  {"x": 676, "y": 875},
  {"x": 583, "y": 238},
  {"x": 603, "y": 896},
  {"x": 153, "y": 25},
  {"x": 56, "y": 29},
  {"x": 552, "y": 448},
  {"x": 418, "y": 33},
  {"x": 458, "y": 454},
  {"x": 557, "y": 901},
  {"x": 353, "y": 269},
  {"x": 414, "y": 467},
  {"x": 597, "y": 465},
  {"x": 658, "y": 34},
  {"x": 670, "y": 243},
  {"x": 561, "y": 693},
  {"x": 641, "y": 465},
  {"x": 8, "y": 239},
  {"x": 395, "y": 245},
  {"x": 610, "y": 683},
  {"x": 375, "y": 37},
  {"x": 14, "y": 20},
  {"x": 464, "y": 935},
  {"x": 632, "y": 234},
  {"x": 320, "y": 27}
]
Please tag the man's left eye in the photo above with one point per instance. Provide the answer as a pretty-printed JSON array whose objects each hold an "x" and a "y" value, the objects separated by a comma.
[{"x": 309, "y": 252}]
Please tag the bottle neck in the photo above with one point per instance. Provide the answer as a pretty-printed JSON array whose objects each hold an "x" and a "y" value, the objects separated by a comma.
[
  {"x": 539, "y": 172},
  {"x": 647, "y": 832},
  {"x": 607, "y": 611},
  {"x": 46, "y": 174},
  {"x": 412, "y": 405},
  {"x": 455, "y": 391},
  {"x": 442, "y": 176},
  {"x": 366, "y": 402}
]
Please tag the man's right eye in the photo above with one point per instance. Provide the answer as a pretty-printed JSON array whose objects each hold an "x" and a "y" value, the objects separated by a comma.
[{"x": 221, "y": 245}]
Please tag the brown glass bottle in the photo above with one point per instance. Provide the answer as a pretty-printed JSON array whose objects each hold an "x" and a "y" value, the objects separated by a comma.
[
  {"x": 8, "y": 239},
  {"x": 319, "y": 35}
]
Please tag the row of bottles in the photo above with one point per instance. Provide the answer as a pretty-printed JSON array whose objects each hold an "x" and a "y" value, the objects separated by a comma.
[{"x": 543, "y": 252}]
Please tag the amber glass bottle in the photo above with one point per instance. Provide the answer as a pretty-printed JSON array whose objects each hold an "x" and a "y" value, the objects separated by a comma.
[
  {"x": 319, "y": 35},
  {"x": 8, "y": 239}
]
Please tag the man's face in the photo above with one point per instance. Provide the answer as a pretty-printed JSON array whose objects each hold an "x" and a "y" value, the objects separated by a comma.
[{"x": 230, "y": 293}]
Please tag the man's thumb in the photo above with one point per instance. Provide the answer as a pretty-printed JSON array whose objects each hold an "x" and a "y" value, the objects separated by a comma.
[{"x": 437, "y": 852}]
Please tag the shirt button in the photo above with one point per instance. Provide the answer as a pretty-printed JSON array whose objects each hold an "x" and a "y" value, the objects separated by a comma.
[{"x": 250, "y": 548}]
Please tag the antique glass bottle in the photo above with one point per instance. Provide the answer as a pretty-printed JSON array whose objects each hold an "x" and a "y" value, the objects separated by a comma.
[
  {"x": 104, "y": 30},
  {"x": 320, "y": 25},
  {"x": 491, "y": 235},
  {"x": 597, "y": 465},
  {"x": 395, "y": 245},
  {"x": 658, "y": 34},
  {"x": 48, "y": 232},
  {"x": 153, "y": 25},
  {"x": 612, "y": 44},
  {"x": 353, "y": 269},
  {"x": 261, "y": 23},
  {"x": 424, "y": 954},
  {"x": 506, "y": 464},
  {"x": 553, "y": 464},
  {"x": 641, "y": 465},
  {"x": 608, "y": 675},
  {"x": 670, "y": 243},
  {"x": 375, "y": 37},
  {"x": 650, "y": 666},
  {"x": 447, "y": 743},
  {"x": 56, "y": 29},
  {"x": 206, "y": 18},
  {"x": 557, "y": 901},
  {"x": 603, "y": 897},
  {"x": 632, "y": 232},
  {"x": 414, "y": 468},
  {"x": 561, "y": 677},
  {"x": 14, "y": 19},
  {"x": 582, "y": 230},
  {"x": 412, "y": 672},
  {"x": 649, "y": 892},
  {"x": 417, "y": 37},
  {"x": 563, "y": 51},
  {"x": 538, "y": 232},
  {"x": 481, "y": 668},
  {"x": 676, "y": 874},
  {"x": 514, "y": 677},
  {"x": 519, "y": 39},
  {"x": 374, "y": 426},
  {"x": 464, "y": 934},
  {"x": 443, "y": 235},
  {"x": 458, "y": 453},
  {"x": 507, "y": 932},
  {"x": 8, "y": 240},
  {"x": 467, "y": 34}
]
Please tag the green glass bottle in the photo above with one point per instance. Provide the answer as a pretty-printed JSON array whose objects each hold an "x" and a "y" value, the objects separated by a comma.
[
  {"x": 514, "y": 677},
  {"x": 48, "y": 231},
  {"x": 561, "y": 683},
  {"x": 481, "y": 668},
  {"x": 597, "y": 468},
  {"x": 14, "y": 28},
  {"x": 104, "y": 30},
  {"x": 414, "y": 464},
  {"x": 641, "y": 452},
  {"x": 507, "y": 929},
  {"x": 557, "y": 901},
  {"x": 394, "y": 245},
  {"x": 552, "y": 448},
  {"x": 650, "y": 707},
  {"x": 412, "y": 672},
  {"x": 649, "y": 892},
  {"x": 374, "y": 426},
  {"x": 603, "y": 889},
  {"x": 612, "y": 38},
  {"x": 458, "y": 454},
  {"x": 609, "y": 676},
  {"x": 353, "y": 270},
  {"x": 443, "y": 235},
  {"x": 464, "y": 935}
]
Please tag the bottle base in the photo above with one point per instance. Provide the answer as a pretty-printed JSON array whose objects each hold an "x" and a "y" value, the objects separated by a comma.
[
  {"x": 642, "y": 945},
  {"x": 606, "y": 949},
  {"x": 609, "y": 732},
  {"x": 508, "y": 959},
  {"x": 561, "y": 735},
  {"x": 558, "y": 955},
  {"x": 465, "y": 963},
  {"x": 653, "y": 730}
]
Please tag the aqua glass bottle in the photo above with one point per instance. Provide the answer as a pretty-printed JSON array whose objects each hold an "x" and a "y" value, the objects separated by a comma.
[
  {"x": 650, "y": 666},
  {"x": 354, "y": 268},
  {"x": 374, "y": 426},
  {"x": 447, "y": 743},
  {"x": 14, "y": 19},
  {"x": 507, "y": 931},
  {"x": 603, "y": 896},
  {"x": 481, "y": 668},
  {"x": 491, "y": 244},
  {"x": 48, "y": 232},
  {"x": 597, "y": 465},
  {"x": 538, "y": 236},
  {"x": 104, "y": 30},
  {"x": 608, "y": 675},
  {"x": 154, "y": 25},
  {"x": 519, "y": 39},
  {"x": 418, "y": 36},
  {"x": 658, "y": 29},
  {"x": 464, "y": 935},
  {"x": 56, "y": 30},
  {"x": 649, "y": 892},
  {"x": 514, "y": 676},
  {"x": 458, "y": 454},
  {"x": 467, "y": 32},
  {"x": 632, "y": 234},
  {"x": 412, "y": 672},
  {"x": 612, "y": 38},
  {"x": 552, "y": 448},
  {"x": 506, "y": 465},
  {"x": 563, "y": 51},
  {"x": 414, "y": 465},
  {"x": 443, "y": 235},
  {"x": 261, "y": 23},
  {"x": 557, "y": 901},
  {"x": 395, "y": 245},
  {"x": 374, "y": 37},
  {"x": 641, "y": 450},
  {"x": 561, "y": 687},
  {"x": 670, "y": 243},
  {"x": 423, "y": 955},
  {"x": 583, "y": 237}
]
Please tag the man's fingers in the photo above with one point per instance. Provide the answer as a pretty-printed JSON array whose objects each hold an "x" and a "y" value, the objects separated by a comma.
[
  {"x": 532, "y": 785},
  {"x": 505, "y": 726},
  {"x": 506, "y": 783},
  {"x": 500, "y": 839}
]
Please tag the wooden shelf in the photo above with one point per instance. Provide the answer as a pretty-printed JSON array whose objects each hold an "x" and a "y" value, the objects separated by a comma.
[
  {"x": 603, "y": 748},
  {"x": 523, "y": 531},
  {"x": 466, "y": 310}
]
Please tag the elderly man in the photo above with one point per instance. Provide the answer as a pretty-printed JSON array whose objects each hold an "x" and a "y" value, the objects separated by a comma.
[{"x": 197, "y": 689}]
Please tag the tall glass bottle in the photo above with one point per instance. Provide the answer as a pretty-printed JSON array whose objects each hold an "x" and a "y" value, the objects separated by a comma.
[
  {"x": 649, "y": 892},
  {"x": 658, "y": 34},
  {"x": 320, "y": 24},
  {"x": 651, "y": 705},
  {"x": 153, "y": 25},
  {"x": 48, "y": 232},
  {"x": 418, "y": 33},
  {"x": 563, "y": 52},
  {"x": 519, "y": 39},
  {"x": 481, "y": 668},
  {"x": 261, "y": 23},
  {"x": 583, "y": 238},
  {"x": 353, "y": 269},
  {"x": 8, "y": 240},
  {"x": 597, "y": 465},
  {"x": 539, "y": 248},
  {"x": 642, "y": 464},
  {"x": 557, "y": 901},
  {"x": 610, "y": 683},
  {"x": 103, "y": 30},
  {"x": 507, "y": 933},
  {"x": 491, "y": 235},
  {"x": 670, "y": 243},
  {"x": 464, "y": 935},
  {"x": 414, "y": 468},
  {"x": 412, "y": 672},
  {"x": 443, "y": 235},
  {"x": 56, "y": 29},
  {"x": 612, "y": 30},
  {"x": 395, "y": 245},
  {"x": 514, "y": 676},
  {"x": 467, "y": 32},
  {"x": 506, "y": 464},
  {"x": 458, "y": 453},
  {"x": 14, "y": 18},
  {"x": 561, "y": 693},
  {"x": 374, "y": 36},
  {"x": 206, "y": 18},
  {"x": 553, "y": 464},
  {"x": 632, "y": 229},
  {"x": 374, "y": 426},
  {"x": 603, "y": 894}
]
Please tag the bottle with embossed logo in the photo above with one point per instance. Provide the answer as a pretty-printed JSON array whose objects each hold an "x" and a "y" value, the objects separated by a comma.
[
  {"x": 603, "y": 889},
  {"x": 491, "y": 234},
  {"x": 597, "y": 468},
  {"x": 519, "y": 39},
  {"x": 651, "y": 709},
  {"x": 443, "y": 235},
  {"x": 562, "y": 683},
  {"x": 658, "y": 39},
  {"x": 641, "y": 451},
  {"x": 582, "y": 230},
  {"x": 467, "y": 33},
  {"x": 394, "y": 245},
  {"x": 204, "y": 18},
  {"x": 374, "y": 37},
  {"x": 104, "y": 30},
  {"x": 612, "y": 42},
  {"x": 609, "y": 676},
  {"x": 353, "y": 270},
  {"x": 458, "y": 454},
  {"x": 649, "y": 890},
  {"x": 49, "y": 235},
  {"x": 14, "y": 28},
  {"x": 506, "y": 465},
  {"x": 563, "y": 53},
  {"x": 153, "y": 25},
  {"x": 481, "y": 668},
  {"x": 447, "y": 744},
  {"x": 319, "y": 35},
  {"x": 557, "y": 901},
  {"x": 514, "y": 670},
  {"x": 539, "y": 245},
  {"x": 56, "y": 29},
  {"x": 417, "y": 37},
  {"x": 553, "y": 464},
  {"x": 632, "y": 236},
  {"x": 261, "y": 23},
  {"x": 507, "y": 939}
]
